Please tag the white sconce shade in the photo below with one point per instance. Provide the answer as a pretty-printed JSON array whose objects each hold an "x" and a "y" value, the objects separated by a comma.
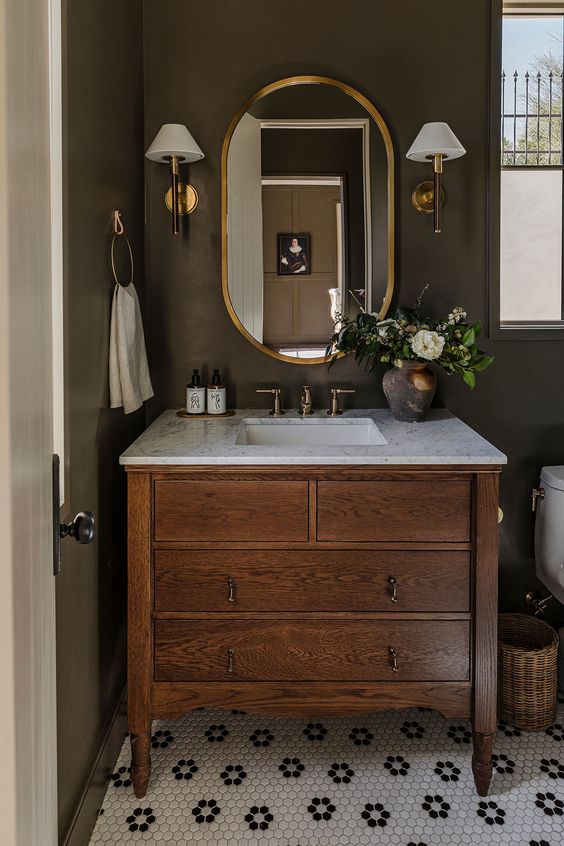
[
  {"x": 173, "y": 144},
  {"x": 435, "y": 142},
  {"x": 174, "y": 139},
  {"x": 435, "y": 138}
]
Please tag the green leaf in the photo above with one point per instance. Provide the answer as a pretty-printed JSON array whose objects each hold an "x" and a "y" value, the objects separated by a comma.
[
  {"x": 482, "y": 362},
  {"x": 469, "y": 337},
  {"x": 469, "y": 378},
  {"x": 477, "y": 327}
]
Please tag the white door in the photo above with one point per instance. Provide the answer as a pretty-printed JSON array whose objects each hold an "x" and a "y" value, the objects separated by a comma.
[{"x": 27, "y": 590}]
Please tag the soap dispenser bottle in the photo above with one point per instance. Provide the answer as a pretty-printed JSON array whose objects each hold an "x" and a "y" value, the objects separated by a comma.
[
  {"x": 217, "y": 403},
  {"x": 195, "y": 395}
]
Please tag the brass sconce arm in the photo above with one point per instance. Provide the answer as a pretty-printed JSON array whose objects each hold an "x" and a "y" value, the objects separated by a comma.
[
  {"x": 435, "y": 142},
  {"x": 173, "y": 144}
]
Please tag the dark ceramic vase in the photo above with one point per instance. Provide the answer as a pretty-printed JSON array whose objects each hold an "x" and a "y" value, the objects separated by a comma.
[{"x": 409, "y": 387}]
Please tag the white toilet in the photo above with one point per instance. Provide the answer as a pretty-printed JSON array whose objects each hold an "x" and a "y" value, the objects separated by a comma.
[
  {"x": 549, "y": 542},
  {"x": 549, "y": 531}
]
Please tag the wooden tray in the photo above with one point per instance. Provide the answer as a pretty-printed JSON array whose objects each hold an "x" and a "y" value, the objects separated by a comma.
[{"x": 204, "y": 416}]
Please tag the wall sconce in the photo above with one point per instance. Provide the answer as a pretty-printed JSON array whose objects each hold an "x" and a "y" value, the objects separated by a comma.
[
  {"x": 435, "y": 142},
  {"x": 173, "y": 144}
]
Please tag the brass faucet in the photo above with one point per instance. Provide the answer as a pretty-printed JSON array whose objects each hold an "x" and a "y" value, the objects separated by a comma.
[
  {"x": 334, "y": 409},
  {"x": 304, "y": 406},
  {"x": 276, "y": 400}
]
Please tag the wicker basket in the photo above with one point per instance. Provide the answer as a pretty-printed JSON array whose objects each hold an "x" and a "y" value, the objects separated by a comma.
[{"x": 527, "y": 672}]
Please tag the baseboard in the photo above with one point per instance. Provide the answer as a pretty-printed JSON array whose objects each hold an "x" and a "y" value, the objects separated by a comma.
[{"x": 82, "y": 825}]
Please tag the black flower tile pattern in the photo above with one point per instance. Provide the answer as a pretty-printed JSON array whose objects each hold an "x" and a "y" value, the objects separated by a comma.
[
  {"x": 396, "y": 765},
  {"x": 491, "y": 813},
  {"x": 556, "y": 732},
  {"x": 259, "y": 818},
  {"x": 261, "y": 737},
  {"x": 364, "y": 782},
  {"x": 233, "y": 774},
  {"x": 503, "y": 764},
  {"x": 459, "y": 734},
  {"x": 508, "y": 730},
  {"x": 122, "y": 777},
  {"x": 436, "y": 806},
  {"x": 140, "y": 819},
  {"x": 340, "y": 773},
  {"x": 375, "y": 815},
  {"x": 206, "y": 811},
  {"x": 216, "y": 733},
  {"x": 161, "y": 739},
  {"x": 552, "y": 767},
  {"x": 550, "y": 804},
  {"x": 412, "y": 729},
  {"x": 447, "y": 771},
  {"x": 361, "y": 736},
  {"x": 321, "y": 809},
  {"x": 291, "y": 768},
  {"x": 315, "y": 731},
  {"x": 184, "y": 769}
]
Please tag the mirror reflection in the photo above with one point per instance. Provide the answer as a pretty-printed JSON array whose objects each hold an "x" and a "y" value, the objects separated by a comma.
[{"x": 307, "y": 216}]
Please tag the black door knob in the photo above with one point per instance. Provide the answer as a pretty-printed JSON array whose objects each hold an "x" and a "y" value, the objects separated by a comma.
[{"x": 82, "y": 528}]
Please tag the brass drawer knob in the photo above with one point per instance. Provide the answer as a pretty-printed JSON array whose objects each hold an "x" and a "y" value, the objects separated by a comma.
[
  {"x": 231, "y": 584},
  {"x": 230, "y": 656},
  {"x": 394, "y": 657},
  {"x": 394, "y": 585}
]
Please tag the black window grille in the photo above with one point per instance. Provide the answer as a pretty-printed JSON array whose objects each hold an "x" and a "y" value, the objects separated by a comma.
[{"x": 531, "y": 119}]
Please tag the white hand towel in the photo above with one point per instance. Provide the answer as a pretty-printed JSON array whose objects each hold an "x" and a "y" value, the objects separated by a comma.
[{"x": 130, "y": 383}]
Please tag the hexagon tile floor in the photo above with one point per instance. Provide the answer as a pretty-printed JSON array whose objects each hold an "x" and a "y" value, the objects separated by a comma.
[{"x": 401, "y": 778}]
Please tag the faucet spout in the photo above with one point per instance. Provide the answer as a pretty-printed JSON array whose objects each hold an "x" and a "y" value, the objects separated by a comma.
[{"x": 304, "y": 406}]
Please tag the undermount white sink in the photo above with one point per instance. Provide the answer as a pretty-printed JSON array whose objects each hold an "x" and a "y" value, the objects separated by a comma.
[{"x": 357, "y": 431}]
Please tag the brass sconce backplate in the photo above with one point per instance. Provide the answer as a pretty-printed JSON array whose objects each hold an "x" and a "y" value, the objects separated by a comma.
[
  {"x": 423, "y": 196},
  {"x": 187, "y": 198}
]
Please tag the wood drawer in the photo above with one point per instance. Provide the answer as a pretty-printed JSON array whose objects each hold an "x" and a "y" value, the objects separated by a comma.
[
  {"x": 393, "y": 511},
  {"x": 223, "y": 511},
  {"x": 311, "y": 580},
  {"x": 311, "y": 650}
]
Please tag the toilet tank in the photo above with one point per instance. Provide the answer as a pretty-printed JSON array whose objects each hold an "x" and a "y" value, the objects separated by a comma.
[{"x": 549, "y": 531}]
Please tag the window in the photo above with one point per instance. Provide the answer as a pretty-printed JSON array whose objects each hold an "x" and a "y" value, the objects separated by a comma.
[{"x": 532, "y": 168}]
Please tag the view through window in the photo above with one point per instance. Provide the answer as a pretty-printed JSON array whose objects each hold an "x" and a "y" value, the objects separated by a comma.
[{"x": 531, "y": 171}]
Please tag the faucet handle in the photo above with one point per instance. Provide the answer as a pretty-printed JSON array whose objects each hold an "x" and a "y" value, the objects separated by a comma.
[
  {"x": 276, "y": 410},
  {"x": 334, "y": 409}
]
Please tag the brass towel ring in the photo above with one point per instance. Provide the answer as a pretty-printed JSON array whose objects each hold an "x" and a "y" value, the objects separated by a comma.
[{"x": 114, "y": 272}]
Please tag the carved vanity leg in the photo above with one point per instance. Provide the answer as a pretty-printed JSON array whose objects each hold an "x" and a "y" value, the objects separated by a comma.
[
  {"x": 140, "y": 629},
  {"x": 482, "y": 761},
  {"x": 484, "y": 708},
  {"x": 140, "y": 762}
]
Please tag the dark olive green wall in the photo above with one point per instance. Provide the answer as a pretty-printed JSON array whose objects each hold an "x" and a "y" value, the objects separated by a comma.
[
  {"x": 417, "y": 61},
  {"x": 103, "y": 74}
]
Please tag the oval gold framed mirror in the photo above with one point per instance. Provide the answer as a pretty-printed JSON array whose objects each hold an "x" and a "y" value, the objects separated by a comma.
[{"x": 307, "y": 215}]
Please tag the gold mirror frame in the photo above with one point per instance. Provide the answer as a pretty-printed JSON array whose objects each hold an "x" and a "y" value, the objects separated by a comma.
[{"x": 384, "y": 131}]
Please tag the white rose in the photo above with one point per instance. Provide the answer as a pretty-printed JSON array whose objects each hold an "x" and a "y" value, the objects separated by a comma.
[{"x": 426, "y": 344}]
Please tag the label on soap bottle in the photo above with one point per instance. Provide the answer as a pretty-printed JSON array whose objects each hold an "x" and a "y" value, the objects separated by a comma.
[
  {"x": 195, "y": 399},
  {"x": 217, "y": 403}
]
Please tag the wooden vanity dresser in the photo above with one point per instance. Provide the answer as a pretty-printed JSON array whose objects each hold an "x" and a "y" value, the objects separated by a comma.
[{"x": 312, "y": 590}]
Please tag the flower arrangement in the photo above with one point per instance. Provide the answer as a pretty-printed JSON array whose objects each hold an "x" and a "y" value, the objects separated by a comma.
[{"x": 406, "y": 336}]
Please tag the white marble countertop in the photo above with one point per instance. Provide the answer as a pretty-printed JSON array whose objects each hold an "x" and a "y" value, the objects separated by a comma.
[{"x": 441, "y": 439}]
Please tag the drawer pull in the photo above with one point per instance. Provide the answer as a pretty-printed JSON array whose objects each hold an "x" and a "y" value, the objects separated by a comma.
[
  {"x": 231, "y": 584},
  {"x": 394, "y": 657},
  {"x": 230, "y": 656},
  {"x": 394, "y": 585}
]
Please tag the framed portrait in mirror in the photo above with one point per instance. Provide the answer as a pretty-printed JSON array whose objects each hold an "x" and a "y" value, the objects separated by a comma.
[{"x": 294, "y": 255}]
